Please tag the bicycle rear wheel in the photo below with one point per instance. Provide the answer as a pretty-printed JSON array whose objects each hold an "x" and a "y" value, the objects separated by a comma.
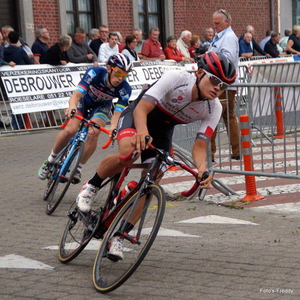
[
  {"x": 62, "y": 182},
  {"x": 81, "y": 227},
  {"x": 109, "y": 275}
]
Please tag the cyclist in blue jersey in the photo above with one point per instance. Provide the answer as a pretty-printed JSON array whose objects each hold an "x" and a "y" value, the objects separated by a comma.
[{"x": 94, "y": 95}]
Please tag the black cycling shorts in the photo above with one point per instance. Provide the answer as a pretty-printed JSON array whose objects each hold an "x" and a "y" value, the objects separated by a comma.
[{"x": 160, "y": 127}]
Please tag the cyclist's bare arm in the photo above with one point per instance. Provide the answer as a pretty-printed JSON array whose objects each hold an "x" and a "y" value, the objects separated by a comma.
[
  {"x": 73, "y": 101},
  {"x": 114, "y": 120},
  {"x": 199, "y": 157},
  {"x": 140, "y": 121}
]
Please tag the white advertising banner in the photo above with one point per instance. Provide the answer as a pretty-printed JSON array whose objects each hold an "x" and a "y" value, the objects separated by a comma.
[{"x": 34, "y": 88}]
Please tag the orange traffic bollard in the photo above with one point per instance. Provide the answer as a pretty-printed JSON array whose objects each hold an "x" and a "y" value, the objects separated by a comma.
[
  {"x": 251, "y": 193},
  {"x": 278, "y": 113},
  {"x": 173, "y": 168}
]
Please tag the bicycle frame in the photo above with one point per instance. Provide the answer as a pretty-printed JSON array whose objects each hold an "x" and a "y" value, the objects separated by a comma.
[
  {"x": 80, "y": 136},
  {"x": 150, "y": 177}
]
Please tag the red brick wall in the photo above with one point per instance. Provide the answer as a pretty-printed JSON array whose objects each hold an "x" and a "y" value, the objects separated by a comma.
[
  {"x": 195, "y": 15},
  {"x": 46, "y": 13},
  {"x": 120, "y": 16}
]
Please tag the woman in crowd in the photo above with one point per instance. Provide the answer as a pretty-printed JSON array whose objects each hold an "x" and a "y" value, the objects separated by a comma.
[
  {"x": 195, "y": 44},
  {"x": 172, "y": 52},
  {"x": 293, "y": 44},
  {"x": 57, "y": 54},
  {"x": 129, "y": 49}
]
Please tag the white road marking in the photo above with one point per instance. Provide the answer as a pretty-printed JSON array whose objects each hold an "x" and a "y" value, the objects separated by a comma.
[
  {"x": 169, "y": 232},
  {"x": 13, "y": 261},
  {"x": 285, "y": 207},
  {"x": 95, "y": 244},
  {"x": 214, "y": 219}
]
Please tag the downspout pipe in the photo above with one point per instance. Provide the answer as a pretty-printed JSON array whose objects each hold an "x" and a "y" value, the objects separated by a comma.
[{"x": 272, "y": 14}]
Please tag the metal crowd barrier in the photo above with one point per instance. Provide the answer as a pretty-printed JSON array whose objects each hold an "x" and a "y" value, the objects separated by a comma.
[{"x": 274, "y": 126}]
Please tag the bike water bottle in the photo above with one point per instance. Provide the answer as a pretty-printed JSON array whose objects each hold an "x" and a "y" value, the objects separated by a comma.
[{"x": 129, "y": 186}]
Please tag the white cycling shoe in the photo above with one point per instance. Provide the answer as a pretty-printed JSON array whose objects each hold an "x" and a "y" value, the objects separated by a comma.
[
  {"x": 86, "y": 196},
  {"x": 115, "y": 252}
]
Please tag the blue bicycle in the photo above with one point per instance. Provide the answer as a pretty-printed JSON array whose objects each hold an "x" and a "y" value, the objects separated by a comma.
[{"x": 63, "y": 170}]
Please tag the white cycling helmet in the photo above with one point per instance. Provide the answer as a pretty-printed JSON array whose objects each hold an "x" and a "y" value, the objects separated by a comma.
[{"x": 120, "y": 60}]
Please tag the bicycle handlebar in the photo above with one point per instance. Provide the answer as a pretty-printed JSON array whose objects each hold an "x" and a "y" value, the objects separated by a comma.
[
  {"x": 177, "y": 163},
  {"x": 89, "y": 123}
]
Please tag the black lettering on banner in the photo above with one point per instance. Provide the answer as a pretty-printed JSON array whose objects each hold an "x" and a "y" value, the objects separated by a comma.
[
  {"x": 23, "y": 85},
  {"x": 150, "y": 70},
  {"x": 132, "y": 76},
  {"x": 62, "y": 80},
  {"x": 31, "y": 84},
  {"x": 70, "y": 80},
  {"x": 16, "y": 84},
  {"x": 146, "y": 74},
  {"x": 157, "y": 72},
  {"x": 8, "y": 85},
  {"x": 40, "y": 83},
  {"x": 55, "y": 81}
]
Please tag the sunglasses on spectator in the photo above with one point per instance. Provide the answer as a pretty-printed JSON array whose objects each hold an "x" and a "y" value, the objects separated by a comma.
[
  {"x": 216, "y": 81},
  {"x": 118, "y": 73},
  {"x": 222, "y": 11}
]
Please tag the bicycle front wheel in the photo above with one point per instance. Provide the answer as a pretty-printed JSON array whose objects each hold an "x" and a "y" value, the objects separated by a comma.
[
  {"x": 77, "y": 234},
  {"x": 63, "y": 181},
  {"x": 110, "y": 274}
]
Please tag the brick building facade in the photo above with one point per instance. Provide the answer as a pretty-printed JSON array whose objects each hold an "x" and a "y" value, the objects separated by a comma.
[{"x": 178, "y": 15}]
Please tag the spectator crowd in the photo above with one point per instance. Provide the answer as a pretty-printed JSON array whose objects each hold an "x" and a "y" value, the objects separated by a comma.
[{"x": 99, "y": 44}]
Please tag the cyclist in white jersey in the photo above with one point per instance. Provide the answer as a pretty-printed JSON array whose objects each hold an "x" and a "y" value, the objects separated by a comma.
[{"x": 178, "y": 97}]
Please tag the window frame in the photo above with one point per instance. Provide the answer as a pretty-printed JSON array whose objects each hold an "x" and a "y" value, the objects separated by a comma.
[{"x": 76, "y": 15}]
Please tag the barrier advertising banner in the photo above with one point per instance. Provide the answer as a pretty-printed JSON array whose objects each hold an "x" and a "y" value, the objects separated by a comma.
[{"x": 34, "y": 88}]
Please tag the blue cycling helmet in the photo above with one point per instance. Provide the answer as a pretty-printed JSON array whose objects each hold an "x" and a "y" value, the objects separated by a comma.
[{"x": 120, "y": 60}]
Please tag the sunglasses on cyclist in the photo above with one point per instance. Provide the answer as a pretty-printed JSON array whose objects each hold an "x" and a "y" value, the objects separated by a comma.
[
  {"x": 118, "y": 73},
  {"x": 216, "y": 81}
]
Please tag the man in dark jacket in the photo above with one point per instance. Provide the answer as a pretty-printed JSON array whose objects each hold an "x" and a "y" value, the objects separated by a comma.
[
  {"x": 271, "y": 45},
  {"x": 80, "y": 52},
  {"x": 15, "y": 53},
  {"x": 57, "y": 54}
]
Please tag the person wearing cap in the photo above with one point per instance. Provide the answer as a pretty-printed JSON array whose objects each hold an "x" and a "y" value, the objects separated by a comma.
[
  {"x": 178, "y": 97},
  {"x": 93, "y": 98}
]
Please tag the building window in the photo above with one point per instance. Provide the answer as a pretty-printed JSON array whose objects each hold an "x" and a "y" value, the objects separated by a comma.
[
  {"x": 150, "y": 15},
  {"x": 80, "y": 13}
]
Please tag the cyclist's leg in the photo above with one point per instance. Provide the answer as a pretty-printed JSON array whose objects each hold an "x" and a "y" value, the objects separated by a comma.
[
  {"x": 109, "y": 166},
  {"x": 161, "y": 140},
  {"x": 65, "y": 135},
  {"x": 100, "y": 116}
]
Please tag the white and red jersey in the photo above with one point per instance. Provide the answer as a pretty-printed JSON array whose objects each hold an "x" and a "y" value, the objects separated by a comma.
[{"x": 172, "y": 94}]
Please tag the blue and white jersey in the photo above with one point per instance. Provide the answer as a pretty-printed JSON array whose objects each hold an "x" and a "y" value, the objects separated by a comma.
[{"x": 96, "y": 93}]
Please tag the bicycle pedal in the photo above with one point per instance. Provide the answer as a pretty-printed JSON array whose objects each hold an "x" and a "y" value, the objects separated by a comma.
[{"x": 72, "y": 215}]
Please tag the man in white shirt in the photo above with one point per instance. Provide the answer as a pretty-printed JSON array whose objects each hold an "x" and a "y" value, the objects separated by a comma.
[
  {"x": 108, "y": 49},
  {"x": 226, "y": 42},
  {"x": 183, "y": 43}
]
